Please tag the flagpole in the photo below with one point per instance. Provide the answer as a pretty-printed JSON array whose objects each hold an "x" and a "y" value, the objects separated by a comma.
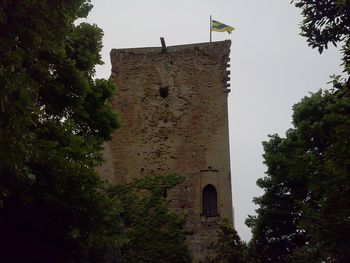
[{"x": 210, "y": 27}]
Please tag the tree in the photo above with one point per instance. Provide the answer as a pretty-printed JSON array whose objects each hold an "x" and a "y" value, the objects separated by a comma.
[
  {"x": 307, "y": 183},
  {"x": 323, "y": 122},
  {"x": 153, "y": 232},
  {"x": 275, "y": 228},
  {"x": 53, "y": 119},
  {"x": 327, "y": 22},
  {"x": 229, "y": 248},
  {"x": 304, "y": 212}
]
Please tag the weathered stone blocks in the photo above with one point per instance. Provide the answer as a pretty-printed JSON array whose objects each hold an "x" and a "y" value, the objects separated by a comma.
[{"x": 173, "y": 109}]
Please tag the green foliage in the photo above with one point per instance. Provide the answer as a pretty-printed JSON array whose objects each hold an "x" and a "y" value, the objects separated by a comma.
[
  {"x": 153, "y": 232},
  {"x": 304, "y": 213},
  {"x": 305, "y": 210},
  {"x": 327, "y": 22},
  {"x": 275, "y": 231},
  {"x": 324, "y": 132},
  {"x": 53, "y": 119},
  {"x": 229, "y": 247}
]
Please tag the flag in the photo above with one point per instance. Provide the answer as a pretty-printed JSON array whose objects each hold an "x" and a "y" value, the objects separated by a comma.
[{"x": 220, "y": 27}]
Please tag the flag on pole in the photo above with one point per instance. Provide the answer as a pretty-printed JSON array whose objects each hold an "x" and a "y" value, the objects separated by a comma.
[{"x": 220, "y": 27}]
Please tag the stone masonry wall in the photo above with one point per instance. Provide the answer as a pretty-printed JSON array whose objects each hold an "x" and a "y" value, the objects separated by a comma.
[{"x": 173, "y": 108}]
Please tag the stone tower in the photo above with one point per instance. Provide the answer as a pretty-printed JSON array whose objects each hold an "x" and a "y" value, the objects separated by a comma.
[{"x": 172, "y": 103}]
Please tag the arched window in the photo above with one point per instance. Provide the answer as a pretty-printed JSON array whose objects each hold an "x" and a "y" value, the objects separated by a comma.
[{"x": 209, "y": 201}]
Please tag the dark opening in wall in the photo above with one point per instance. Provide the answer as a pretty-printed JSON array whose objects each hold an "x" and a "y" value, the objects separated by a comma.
[
  {"x": 209, "y": 199},
  {"x": 164, "y": 92}
]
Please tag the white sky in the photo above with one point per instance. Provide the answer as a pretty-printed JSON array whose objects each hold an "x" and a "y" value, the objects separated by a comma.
[{"x": 272, "y": 67}]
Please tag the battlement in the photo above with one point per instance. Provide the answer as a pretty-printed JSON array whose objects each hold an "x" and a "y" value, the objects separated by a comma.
[{"x": 205, "y": 46}]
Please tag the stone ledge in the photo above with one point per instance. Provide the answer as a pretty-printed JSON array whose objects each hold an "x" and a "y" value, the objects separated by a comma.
[{"x": 170, "y": 49}]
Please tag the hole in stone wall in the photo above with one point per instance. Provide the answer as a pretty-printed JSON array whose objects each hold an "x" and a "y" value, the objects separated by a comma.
[
  {"x": 164, "y": 92},
  {"x": 209, "y": 201}
]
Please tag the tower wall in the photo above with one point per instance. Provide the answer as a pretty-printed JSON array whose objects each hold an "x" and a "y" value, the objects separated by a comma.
[{"x": 173, "y": 108}]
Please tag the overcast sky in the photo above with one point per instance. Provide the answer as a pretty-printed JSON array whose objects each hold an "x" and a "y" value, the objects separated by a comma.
[{"x": 272, "y": 67}]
